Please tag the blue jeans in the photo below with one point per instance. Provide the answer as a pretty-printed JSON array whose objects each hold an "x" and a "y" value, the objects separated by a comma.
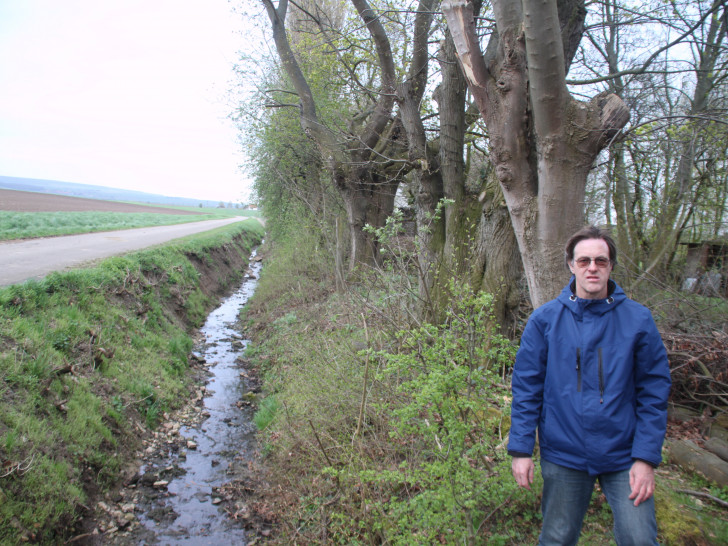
[{"x": 566, "y": 496}]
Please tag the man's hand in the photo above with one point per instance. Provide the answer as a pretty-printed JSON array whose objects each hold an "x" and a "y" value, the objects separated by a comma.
[
  {"x": 523, "y": 469},
  {"x": 642, "y": 481}
]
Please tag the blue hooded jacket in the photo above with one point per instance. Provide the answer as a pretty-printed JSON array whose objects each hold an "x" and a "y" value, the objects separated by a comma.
[{"x": 593, "y": 376}]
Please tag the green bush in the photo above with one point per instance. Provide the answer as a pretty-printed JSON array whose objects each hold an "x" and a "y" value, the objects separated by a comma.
[{"x": 452, "y": 410}]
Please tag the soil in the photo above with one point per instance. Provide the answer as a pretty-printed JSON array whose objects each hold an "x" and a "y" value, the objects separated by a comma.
[{"x": 26, "y": 201}]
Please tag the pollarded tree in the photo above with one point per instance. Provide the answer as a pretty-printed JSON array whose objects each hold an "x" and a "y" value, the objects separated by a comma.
[
  {"x": 465, "y": 240},
  {"x": 543, "y": 141},
  {"x": 358, "y": 152}
]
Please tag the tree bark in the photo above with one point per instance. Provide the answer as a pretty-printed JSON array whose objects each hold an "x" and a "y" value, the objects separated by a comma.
[
  {"x": 465, "y": 242},
  {"x": 690, "y": 456},
  {"x": 543, "y": 142},
  {"x": 427, "y": 177}
]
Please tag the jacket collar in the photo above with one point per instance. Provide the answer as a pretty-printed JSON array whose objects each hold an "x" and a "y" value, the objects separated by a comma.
[{"x": 568, "y": 297}]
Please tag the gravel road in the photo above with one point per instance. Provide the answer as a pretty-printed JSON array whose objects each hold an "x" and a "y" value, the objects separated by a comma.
[{"x": 35, "y": 258}]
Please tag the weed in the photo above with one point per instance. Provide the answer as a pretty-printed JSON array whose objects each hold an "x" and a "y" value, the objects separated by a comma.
[
  {"x": 266, "y": 412},
  {"x": 179, "y": 347}
]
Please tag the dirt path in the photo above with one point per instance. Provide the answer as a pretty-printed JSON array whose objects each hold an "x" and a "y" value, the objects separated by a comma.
[{"x": 34, "y": 259}]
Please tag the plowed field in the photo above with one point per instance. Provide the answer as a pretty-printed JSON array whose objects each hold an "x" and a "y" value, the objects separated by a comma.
[{"x": 26, "y": 201}]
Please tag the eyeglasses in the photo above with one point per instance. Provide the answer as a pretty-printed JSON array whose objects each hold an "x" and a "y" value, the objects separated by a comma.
[{"x": 601, "y": 262}]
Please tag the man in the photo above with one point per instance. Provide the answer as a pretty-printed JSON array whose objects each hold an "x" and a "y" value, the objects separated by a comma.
[{"x": 592, "y": 375}]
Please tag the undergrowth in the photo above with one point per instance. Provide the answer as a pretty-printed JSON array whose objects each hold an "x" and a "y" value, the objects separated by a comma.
[
  {"x": 381, "y": 428},
  {"x": 89, "y": 360}
]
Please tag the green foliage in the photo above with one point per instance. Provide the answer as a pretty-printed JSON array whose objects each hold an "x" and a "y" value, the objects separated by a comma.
[
  {"x": 452, "y": 408},
  {"x": 299, "y": 269},
  {"x": 424, "y": 465}
]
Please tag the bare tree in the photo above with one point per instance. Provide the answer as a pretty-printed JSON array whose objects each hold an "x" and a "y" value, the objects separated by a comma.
[{"x": 658, "y": 173}]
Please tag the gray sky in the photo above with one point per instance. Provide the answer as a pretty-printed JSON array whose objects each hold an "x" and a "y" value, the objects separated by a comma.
[{"x": 121, "y": 93}]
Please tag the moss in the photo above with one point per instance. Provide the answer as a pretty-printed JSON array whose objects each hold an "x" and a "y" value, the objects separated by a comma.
[{"x": 675, "y": 524}]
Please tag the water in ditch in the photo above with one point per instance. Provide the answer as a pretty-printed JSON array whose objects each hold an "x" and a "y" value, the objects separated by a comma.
[{"x": 178, "y": 496}]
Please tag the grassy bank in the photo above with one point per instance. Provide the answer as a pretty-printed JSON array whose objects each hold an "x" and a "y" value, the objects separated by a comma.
[
  {"x": 381, "y": 429},
  {"x": 21, "y": 225},
  {"x": 90, "y": 360}
]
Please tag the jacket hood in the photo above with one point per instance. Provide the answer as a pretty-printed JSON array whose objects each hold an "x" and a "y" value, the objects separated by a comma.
[{"x": 577, "y": 305}]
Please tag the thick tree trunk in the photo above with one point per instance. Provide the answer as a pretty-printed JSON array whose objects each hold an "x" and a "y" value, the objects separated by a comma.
[
  {"x": 542, "y": 141},
  {"x": 500, "y": 260},
  {"x": 367, "y": 203},
  {"x": 480, "y": 247}
]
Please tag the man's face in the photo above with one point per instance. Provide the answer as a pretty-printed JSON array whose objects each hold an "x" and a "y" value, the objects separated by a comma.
[{"x": 591, "y": 278}]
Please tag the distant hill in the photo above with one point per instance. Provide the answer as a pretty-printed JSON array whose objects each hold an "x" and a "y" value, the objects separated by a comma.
[{"x": 100, "y": 192}]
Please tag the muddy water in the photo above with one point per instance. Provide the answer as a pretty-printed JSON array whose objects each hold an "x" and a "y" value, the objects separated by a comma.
[{"x": 188, "y": 508}]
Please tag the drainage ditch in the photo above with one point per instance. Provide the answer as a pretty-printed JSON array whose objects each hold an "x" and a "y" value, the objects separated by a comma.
[{"x": 190, "y": 489}]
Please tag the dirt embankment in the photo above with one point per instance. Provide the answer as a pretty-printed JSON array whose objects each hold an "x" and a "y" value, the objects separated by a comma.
[{"x": 26, "y": 201}]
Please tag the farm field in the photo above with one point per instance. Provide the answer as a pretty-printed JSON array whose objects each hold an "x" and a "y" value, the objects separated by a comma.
[
  {"x": 25, "y": 215},
  {"x": 26, "y": 201}
]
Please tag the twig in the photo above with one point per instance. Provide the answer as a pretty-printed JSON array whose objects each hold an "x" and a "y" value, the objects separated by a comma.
[
  {"x": 708, "y": 496},
  {"x": 366, "y": 379},
  {"x": 21, "y": 467},
  {"x": 493, "y": 512},
  {"x": 321, "y": 446},
  {"x": 78, "y": 537}
]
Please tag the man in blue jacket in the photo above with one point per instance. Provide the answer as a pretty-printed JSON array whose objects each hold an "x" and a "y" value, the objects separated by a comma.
[{"x": 592, "y": 375}]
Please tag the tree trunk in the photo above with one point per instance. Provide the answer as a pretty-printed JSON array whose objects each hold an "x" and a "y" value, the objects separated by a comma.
[
  {"x": 480, "y": 247},
  {"x": 543, "y": 142},
  {"x": 427, "y": 177},
  {"x": 368, "y": 203},
  {"x": 688, "y": 455}
]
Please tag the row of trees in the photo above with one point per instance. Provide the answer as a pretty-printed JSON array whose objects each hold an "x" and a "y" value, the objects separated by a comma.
[{"x": 528, "y": 117}]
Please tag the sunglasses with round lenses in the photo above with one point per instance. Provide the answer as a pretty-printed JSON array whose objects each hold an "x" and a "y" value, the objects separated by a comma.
[{"x": 601, "y": 262}]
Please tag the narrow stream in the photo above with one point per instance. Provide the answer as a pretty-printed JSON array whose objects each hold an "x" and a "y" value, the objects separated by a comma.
[{"x": 187, "y": 510}]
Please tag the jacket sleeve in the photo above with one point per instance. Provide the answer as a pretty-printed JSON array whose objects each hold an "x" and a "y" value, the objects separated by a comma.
[
  {"x": 652, "y": 389},
  {"x": 527, "y": 386}
]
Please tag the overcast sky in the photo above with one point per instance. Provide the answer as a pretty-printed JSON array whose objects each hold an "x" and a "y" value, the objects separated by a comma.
[{"x": 121, "y": 93}]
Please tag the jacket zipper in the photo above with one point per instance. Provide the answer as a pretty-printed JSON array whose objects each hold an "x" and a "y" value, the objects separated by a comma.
[
  {"x": 601, "y": 378},
  {"x": 578, "y": 369}
]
